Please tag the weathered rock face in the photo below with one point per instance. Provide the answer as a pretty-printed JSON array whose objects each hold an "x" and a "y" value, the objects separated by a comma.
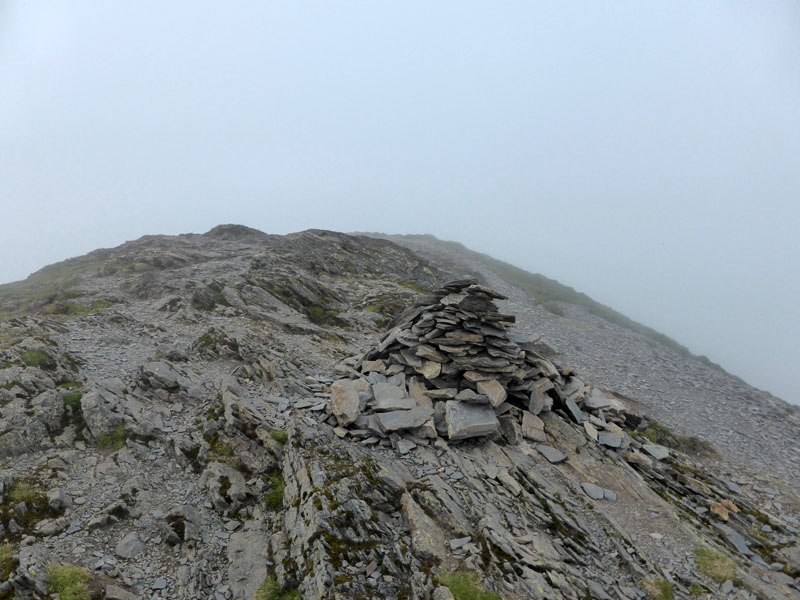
[{"x": 249, "y": 457}]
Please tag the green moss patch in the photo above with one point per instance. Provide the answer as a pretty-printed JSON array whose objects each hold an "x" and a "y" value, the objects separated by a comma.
[
  {"x": 270, "y": 590},
  {"x": 73, "y": 400},
  {"x": 274, "y": 498},
  {"x": 69, "y": 582},
  {"x": 464, "y": 585},
  {"x": 113, "y": 441},
  {"x": 717, "y": 565},
  {"x": 660, "y": 434},
  {"x": 8, "y": 562},
  {"x": 37, "y": 358},
  {"x": 279, "y": 436}
]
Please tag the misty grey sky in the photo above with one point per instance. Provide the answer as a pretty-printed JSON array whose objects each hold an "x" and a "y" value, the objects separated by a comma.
[{"x": 646, "y": 153}]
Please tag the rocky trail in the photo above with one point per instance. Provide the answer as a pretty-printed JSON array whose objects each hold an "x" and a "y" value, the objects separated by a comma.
[{"x": 242, "y": 416}]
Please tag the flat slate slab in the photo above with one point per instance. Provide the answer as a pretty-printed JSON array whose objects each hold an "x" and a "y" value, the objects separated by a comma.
[
  {"x": 533, "y": 427},
  {"x": 593, "y": 491},
  {"x": 612, "y": 439},
  {"x": 597, "y": 493},
  {"x": 403, "y": 419},
  {"x": 494, "y": 390},
  {"x": 596, "y": 400},
  {"x": 551, "y": 454},
  {"x": 573, "y": 411},
  {"x": 469, "y": 420},
  {"x": 656, "y": 451}
]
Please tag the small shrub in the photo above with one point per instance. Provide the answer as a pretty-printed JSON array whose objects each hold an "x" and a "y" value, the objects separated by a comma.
[
  {"x": 663, "y": 589},
  {"x": 8, "y": 561},
  {"x": 73, "y": 400},
  {"x": 717, "y": 565},
  {"x": 279, "y": 436},
  {"x": 464, "y": 585},
  {"x": 658, "y": 433},
  {"x": 37, "y": 358},
  {"x": 274, "y": 498},
  {"x": 322, "y": 316},
  {"x": 219, "y": 448},
  {"x": 22, "y": 491},
  {"x": 69, "y": 582},
  {"x": 114, "y": 440},
  {"x": 270, "y": 590}
]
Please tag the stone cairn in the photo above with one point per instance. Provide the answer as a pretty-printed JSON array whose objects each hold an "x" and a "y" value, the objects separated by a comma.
[{"x": 452, "y": 369}]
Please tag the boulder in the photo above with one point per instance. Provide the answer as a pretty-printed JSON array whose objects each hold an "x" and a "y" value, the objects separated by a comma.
[
  {"x": 469, "y": 420},
  {"x": 345, "y": 400}
]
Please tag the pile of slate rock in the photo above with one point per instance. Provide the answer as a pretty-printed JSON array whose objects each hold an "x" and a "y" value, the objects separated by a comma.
[{"x": 452, "y": 369}]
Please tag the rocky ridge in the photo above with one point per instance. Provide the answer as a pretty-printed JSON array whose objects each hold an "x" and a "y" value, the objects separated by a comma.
[{"x": 176, "y": 422}]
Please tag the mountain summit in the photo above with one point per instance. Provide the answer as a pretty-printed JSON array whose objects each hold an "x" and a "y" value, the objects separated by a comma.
[{"x": 237, "y": 415}]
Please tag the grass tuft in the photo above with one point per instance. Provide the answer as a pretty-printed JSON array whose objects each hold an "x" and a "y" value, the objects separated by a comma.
[
  {"x": 69, "y": 582},
  {"x": 464, "y": 585},
  {"x": 717, "y": 565},
  {"x": 270, "y": 590},
  {"x": 22, "y": 491},
  {"x": 8, "y": 561},
  {"x": 114, "y": 440},
  {"x": 37, "y": 358},
  {"x": 274, "y": 498},
  {"x": 279, "y": 436},
  {"x": 73, "y": 400}
]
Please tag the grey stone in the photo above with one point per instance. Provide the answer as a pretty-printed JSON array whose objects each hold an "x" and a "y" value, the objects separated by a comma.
[
  {"x": 727, "y": 587},
  {"x": 58, "y": 499},
  {"x": 612, "y": 439},
  {"x": 735, "y": 539},
  {"x": 656, "y": 451},
  {"x": 345, "y": 399},
  {"x": 457, "y": 543},
  {"x": 405, "y": 446},
  {"x": 51, "y": 527},
  {"x": 30, "y": 578},
  {"x": 403, "y": 419},
  {"x": 248, "y": 553},
  {"x": 533, "y": 427},
  {"x": 593, "y": 491},
  {"x": 596, "y": 400},
  {"x": 494, "y": 390},
  {"x": 102, "y": 411},
  {"x": 597, "y": 591},
  {"x": 160, "y": 375},
  {"x": 429, "y": 369},
  {"x": 469, "y": 420},
  {"x": 609, "y": 495},
  {"x": 218, "y": 477},
  {"x": 551, "y": 454},
  {"x": 537, "y": 401},
  {"x": 391, "y": 397},
  {"x": 115, "y": 592},
  {"x": 732, "y": 486},
  {"x": 129, "y": 546},
  {"x": 427, "y": 539},
  {"x": 510, "y": 429},
  {"x": 442, "y": 593},
  {"x": 160, "y": 584},
  {"x": 378, "y": 366},
  {"x": 467, "y": 395},
  {"x": 573, "y": 411}
]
